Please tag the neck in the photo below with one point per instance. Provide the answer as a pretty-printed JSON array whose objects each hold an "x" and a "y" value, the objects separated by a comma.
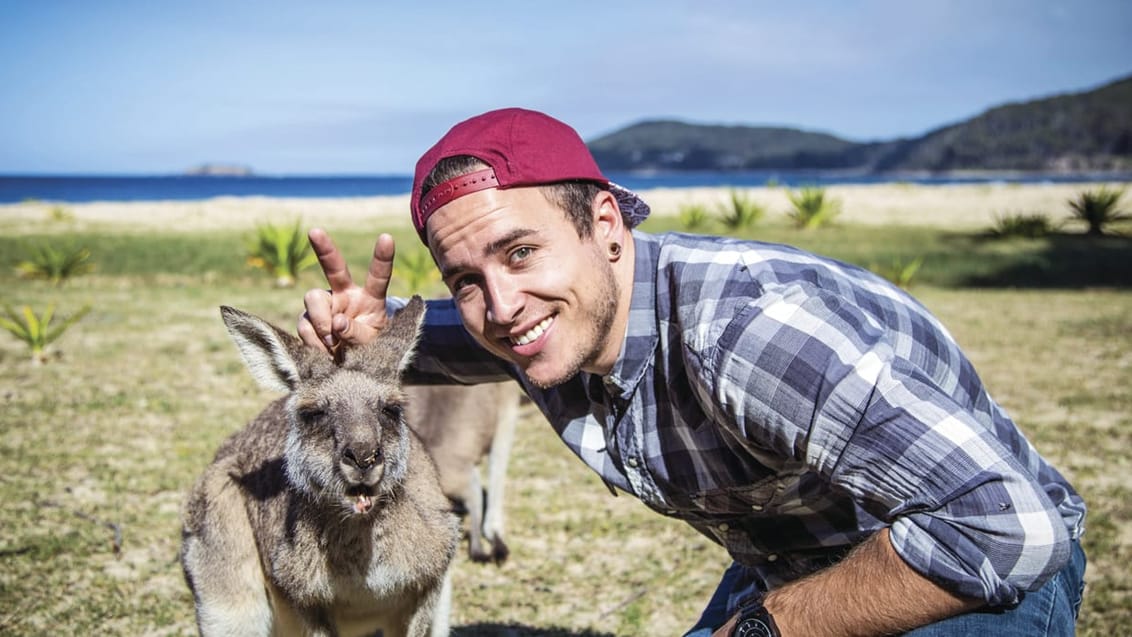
[{"x": 623, "y": 270}]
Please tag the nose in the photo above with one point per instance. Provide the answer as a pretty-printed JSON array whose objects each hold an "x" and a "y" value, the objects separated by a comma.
[
  {"x": 361, "y": 457},
  {"x": 504, "y": 300}
]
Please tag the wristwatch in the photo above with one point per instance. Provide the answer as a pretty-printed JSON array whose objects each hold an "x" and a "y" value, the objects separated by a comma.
[{"x": 755, "y": 621}]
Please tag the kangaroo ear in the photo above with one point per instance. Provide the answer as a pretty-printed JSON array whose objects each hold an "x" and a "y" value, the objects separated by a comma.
[
  {"x": 271, "y": 355},
  {"x": 394, "y": 347}
]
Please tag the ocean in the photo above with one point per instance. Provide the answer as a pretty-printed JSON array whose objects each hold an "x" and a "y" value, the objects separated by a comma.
[{"x": 80, "y": 189}]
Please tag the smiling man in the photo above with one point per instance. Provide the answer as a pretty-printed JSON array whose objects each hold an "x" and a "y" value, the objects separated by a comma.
[{"x": 813, "y": 419}]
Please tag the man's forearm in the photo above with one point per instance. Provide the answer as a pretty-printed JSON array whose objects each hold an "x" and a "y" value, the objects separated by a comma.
[{"x": 871, "y": 592}]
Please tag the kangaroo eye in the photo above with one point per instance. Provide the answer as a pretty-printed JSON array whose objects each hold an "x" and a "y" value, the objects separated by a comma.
[
  {"x": 311, "y": 413},
  {"x": 391, "y": 411}
]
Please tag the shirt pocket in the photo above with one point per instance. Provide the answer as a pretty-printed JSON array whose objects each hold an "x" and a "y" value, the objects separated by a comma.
[{"x": 738, "y": 500}]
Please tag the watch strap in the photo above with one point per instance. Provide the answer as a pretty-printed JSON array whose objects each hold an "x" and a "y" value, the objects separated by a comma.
[{"x": 755, "y": 620}]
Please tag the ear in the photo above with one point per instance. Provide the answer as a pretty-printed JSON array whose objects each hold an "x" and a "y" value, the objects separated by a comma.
[
  {"x": 608, "y": 223},
  {"x": 271, "y": 355},
  {"x": 394, "y": 347}
]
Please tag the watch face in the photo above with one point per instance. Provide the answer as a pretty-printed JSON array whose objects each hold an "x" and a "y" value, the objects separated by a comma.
[{"x": 752, "y": 627}]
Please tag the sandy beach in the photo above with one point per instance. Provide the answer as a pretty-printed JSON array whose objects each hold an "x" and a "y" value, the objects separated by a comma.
[{"x": 966, "y": 206}]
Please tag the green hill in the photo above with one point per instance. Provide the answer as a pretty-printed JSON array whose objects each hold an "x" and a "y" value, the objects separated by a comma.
[
  {"x": 671, "y": 145},
  {"x": 1087, "y": 131}
]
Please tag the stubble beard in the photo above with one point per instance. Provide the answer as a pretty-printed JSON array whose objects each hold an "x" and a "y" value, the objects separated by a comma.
[{"x": 598, "y": 322}]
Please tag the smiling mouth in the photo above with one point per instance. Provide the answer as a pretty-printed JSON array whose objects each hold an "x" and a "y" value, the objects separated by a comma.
[{"x": 532, "y": 334}]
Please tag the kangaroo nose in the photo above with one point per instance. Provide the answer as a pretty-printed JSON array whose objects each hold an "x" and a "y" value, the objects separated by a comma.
[{"x": 361, "y": 459}]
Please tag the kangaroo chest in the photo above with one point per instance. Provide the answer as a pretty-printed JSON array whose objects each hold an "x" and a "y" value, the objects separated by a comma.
[{"x": 355, "y": 562}]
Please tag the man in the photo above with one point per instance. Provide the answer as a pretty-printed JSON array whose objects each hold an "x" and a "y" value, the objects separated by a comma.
[{"x": 813, "y": 419}]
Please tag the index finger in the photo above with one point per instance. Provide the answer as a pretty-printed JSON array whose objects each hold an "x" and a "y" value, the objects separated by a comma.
[
  {"x": 331, "y": 260},
  {"x": 380, "y": 267}
]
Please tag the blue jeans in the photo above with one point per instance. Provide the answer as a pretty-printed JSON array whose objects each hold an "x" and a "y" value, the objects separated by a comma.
[{"x": 1051, "y": 610}]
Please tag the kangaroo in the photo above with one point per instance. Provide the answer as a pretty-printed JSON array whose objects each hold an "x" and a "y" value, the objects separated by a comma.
[
  {"x": 459, "y": 425},
  {"x": 324, "y": 515}
]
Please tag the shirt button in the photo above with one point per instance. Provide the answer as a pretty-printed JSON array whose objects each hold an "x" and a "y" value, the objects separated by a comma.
[
  {"x": 633, "y": 462},
  {"x": 756, "y": 507},
  {"x": 772, "y": 557},
  {"x": 723, "y": 528}
]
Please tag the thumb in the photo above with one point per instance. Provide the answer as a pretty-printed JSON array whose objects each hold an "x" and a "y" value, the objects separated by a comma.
[{"x": 352, "y": 332}]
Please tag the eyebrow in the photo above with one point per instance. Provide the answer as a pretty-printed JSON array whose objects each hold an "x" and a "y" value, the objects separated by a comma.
[
  {"x": 506, "y": 240},
  {"x": 492, "y": 248}
]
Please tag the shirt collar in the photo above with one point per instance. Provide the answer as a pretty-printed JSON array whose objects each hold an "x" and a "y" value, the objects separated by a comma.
[{"x": 641, "y": 335}]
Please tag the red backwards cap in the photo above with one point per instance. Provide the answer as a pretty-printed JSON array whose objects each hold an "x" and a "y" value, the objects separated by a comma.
[{"x": 522, "y": 148}]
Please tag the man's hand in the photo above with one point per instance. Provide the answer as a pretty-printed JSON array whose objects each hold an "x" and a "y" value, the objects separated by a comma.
[{"x": 346, "y": 313}]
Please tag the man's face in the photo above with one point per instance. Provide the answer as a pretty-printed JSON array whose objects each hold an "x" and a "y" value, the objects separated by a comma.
[{"x": 528, "y": 288}]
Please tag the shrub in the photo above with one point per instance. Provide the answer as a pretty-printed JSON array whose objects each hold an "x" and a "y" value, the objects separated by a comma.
[
  {"x": 55, "y": 263},
  {"x": 899, "y": 272},
  {"x": 59, "y": 214},
  {"x": 282, "y": 251},
  {"x": 811, "y": 208},
  {"x": 37, "y": 332},
  {"x": 1098, "y": 208},
  {"x": 416, "y": 269},
  {"x": 1030, "y": 226},
  {"x": 740, "y": 212},
  {"x": 693, "y": 216}
]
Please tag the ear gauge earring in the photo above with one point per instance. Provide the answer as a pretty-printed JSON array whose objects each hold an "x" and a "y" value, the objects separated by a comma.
[{"x": 615, "y": 250}]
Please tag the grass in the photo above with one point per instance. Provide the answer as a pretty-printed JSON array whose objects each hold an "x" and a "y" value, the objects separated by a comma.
[
  {"x": 98, "y": 448},
  {"x": 959, "y": 259},
  {"x": 899, "y": 272}
]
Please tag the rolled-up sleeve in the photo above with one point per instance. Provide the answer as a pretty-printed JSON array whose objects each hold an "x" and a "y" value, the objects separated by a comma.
[{"x": 816, "y": 379}]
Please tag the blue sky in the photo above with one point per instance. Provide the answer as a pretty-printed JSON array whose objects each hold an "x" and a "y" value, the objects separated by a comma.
[{"x": 152, "y": 87}]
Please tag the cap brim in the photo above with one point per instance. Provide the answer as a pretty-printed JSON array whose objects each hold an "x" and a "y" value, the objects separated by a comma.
[{"x": 633, "y": 209}]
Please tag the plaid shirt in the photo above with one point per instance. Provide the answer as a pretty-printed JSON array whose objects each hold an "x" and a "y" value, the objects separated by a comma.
[{"x": 788, "y": 407}]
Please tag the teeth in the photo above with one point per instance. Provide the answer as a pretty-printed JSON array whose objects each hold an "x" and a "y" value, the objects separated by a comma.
[
  {"x": 362, "y": 503},
  {"x": 534, "y": 332}
]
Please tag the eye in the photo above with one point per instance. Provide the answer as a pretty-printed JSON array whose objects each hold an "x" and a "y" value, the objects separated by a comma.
[
  {"x": 312, "y": 413},
  {"x": 392, "y": 411},
  {"x": 461, "y": 282},
  {"x": 520, "y": 254}
]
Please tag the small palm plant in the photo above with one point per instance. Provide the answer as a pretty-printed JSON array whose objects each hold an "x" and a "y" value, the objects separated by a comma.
[
  {"x": 55, "y": 263},
  {"x": 693, "y": 216},
  {"x": 811, "y": 208},
  {"x": 899, "y": 272},
  {"x": 37, "y": 331},
  {"x": 417, "y": 270},
  {"x": 740, "y": 212},
  {"x": 1098, "y": 208},
  {"x": 59, "y": 214},
  {"x": 282, "y": 251},
  {"x": 1030, "y": 226}
]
